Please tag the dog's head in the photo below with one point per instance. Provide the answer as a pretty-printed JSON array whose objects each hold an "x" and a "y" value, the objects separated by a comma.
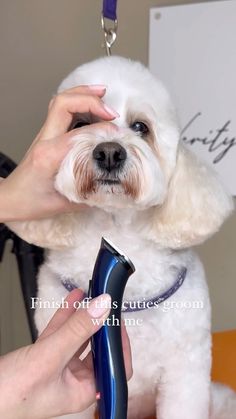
[
  {"x": 128, "y": 164},
  {"x": 136, "y": 162}
]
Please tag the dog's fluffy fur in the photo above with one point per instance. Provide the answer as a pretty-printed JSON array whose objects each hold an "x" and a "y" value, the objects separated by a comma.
[{"x": 165, "y": 202}]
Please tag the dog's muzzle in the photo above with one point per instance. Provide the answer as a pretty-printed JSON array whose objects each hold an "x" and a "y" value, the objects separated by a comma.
[{"x": 105, "y": 168}]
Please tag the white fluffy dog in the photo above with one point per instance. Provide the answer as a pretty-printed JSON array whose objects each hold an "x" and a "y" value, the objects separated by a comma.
[{"x": 154, "y": 200}]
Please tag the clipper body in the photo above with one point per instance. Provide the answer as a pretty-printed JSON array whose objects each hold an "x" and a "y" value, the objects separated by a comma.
[{"x": 111, "y": 272}]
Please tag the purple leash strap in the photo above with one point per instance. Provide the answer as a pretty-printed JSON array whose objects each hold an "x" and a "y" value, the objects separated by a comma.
[{"x": 109, "y": 9}]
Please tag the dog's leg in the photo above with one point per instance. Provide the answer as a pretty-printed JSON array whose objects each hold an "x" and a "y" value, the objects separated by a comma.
[{"x": 184, "y": 391}]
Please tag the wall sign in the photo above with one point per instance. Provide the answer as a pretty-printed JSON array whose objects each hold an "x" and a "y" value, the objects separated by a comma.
[{"x": 192, "y": 50}]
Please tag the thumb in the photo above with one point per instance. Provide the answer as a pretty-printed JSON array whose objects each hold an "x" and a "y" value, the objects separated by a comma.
[{"x": 80, "y": 327}]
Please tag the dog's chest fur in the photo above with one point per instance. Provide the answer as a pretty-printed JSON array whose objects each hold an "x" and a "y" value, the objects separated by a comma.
[{"x": 156, "y": 268}]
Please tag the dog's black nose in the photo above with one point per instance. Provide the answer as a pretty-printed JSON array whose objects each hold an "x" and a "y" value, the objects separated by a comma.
[{"x": 109, "y": 156}]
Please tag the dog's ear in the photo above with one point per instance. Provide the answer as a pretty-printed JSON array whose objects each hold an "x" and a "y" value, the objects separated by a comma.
[
  {"x": 53, "y": 233},
  {"x": 195, "y": 207}
]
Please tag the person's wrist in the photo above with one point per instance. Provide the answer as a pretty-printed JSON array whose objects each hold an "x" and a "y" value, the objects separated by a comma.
[
  {"x": 6, "y": 203},
  {"x": 3, "y": 209},
  {"x": 20, "y": 385}
]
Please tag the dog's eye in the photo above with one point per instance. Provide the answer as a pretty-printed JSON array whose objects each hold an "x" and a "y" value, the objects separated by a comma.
[
  {"x": 78, "y": 124},
  {"x": 140, "y": 128}
]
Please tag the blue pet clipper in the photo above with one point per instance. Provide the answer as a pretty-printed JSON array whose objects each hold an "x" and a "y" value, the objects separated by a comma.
[{"x": 111, "y": 272}]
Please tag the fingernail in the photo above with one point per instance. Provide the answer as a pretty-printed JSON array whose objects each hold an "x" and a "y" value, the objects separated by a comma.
[
  {"x": 99, "y": 305},
  {"x": 111, "y": 111},
  {"x": 97, "y": 87}
]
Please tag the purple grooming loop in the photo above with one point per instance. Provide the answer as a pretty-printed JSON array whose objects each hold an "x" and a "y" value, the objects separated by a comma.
[{"x": 109, "y": 9}]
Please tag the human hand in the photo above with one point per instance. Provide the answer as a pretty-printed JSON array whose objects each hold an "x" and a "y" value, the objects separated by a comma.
[
  {"x": 48, "y": 378},
  {"x": 28, "y": 192}
]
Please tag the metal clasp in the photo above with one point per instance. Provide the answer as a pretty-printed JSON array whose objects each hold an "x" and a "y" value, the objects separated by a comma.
[{"x": 109, "y": 34}]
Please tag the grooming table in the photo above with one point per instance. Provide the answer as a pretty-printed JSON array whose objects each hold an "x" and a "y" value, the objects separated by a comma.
[{"x": 224, "y": 352}]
